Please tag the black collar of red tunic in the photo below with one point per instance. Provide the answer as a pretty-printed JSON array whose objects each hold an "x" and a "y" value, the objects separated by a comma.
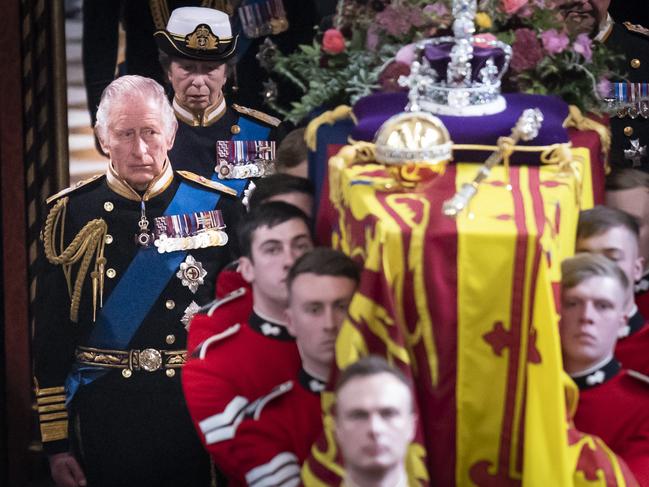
[
  {"x": 310, "y": 383},
  {"x": 642, "y": 285},
  {"x": 269, "y": 329},
  {"x": 635, "y": 323},
  {"x": 599, "y": 376}
]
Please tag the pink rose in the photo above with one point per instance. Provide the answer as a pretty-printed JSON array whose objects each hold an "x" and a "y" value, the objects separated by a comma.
[
  {"x": 484, "y": 40},
  {"x": 511, "y": 6},
  {"x": 554, "y": 41},
  {"x": 582, "y": 45},
  {"x": 406, "y": 54},
  {"x": 604, "y": 88},
  {"x": 527, "y": 50},
  {"x": 436, "y": 9},
  {"x": 333, "y": 42}
]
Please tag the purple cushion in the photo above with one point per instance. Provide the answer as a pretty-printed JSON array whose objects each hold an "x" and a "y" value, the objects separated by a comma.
[{"x": 373, "y": 110}]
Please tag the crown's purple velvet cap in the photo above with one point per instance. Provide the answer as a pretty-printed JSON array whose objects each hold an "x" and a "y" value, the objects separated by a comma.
[
  {"x": 373, "y": 110},
  {"x": 439, "y": 56}
]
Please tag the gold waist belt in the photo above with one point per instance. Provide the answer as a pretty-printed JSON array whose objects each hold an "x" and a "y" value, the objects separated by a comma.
[{"x": 148, "y": 359}]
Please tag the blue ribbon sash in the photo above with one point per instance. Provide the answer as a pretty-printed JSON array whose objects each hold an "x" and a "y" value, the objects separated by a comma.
[{"x": 139, "y": 288}]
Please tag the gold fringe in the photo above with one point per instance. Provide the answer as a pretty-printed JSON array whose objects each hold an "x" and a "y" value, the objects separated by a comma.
[
  {"x": 341, "y": 112},
  {"x": 577, "y": 120},
  {"x": 88, "y": 242}
]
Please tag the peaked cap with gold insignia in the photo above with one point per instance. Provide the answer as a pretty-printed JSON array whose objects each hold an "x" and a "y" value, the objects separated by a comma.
[{"x": 199, "y": 33}]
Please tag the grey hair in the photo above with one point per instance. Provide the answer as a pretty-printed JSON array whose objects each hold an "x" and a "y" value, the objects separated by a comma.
[{"x": 130, "y": 86}]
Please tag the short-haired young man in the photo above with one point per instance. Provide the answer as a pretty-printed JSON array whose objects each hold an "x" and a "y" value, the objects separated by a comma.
[
  {"x": 614, "y": 234},
  {"x": 628, "y": 190},
  {"x": 613, "y": 402},
  {"x": 374, "y": 423},
  {"x": 295, "y": 190},
  {"x": 277, "y": 187},
  {"x": 271, "y": 447},
  {"x": 244, "y": 353}
]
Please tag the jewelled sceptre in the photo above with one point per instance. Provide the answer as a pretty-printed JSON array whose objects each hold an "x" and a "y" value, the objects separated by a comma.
[{"x": 526, "y": 128}]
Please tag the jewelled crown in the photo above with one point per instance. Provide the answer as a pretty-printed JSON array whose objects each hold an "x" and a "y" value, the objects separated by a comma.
[{"x": 459, "y": 74}]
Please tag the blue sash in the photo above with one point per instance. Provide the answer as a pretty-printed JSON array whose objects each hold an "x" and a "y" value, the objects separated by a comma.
[{"x": 139, "y": 288}]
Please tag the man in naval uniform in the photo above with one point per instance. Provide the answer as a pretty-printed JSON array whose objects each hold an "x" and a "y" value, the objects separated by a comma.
[
  {"x": 613, "y": 401},
  {"x": 630, "y": 100},
  {"x": 229, "y": 143},
  {"x": 128, "y": 257},
  {"x": 614, "y": 234},
  {"x": 246, "y": 348},
  {"x": 272, "y": 446}
]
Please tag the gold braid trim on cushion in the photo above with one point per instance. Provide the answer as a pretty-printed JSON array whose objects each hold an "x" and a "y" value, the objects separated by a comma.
[
  {"x": 88, "y": 242},
  {"x": 577, "y": 120},
  {"x": 341, "y": 112}
]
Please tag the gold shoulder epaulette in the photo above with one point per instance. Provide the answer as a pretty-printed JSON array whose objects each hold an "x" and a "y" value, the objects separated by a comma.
[
  {"x": 639, "y": 376},
  {"x": 74, "y": 187},
  {"x": 637, "y": 28},
  {"x": 208, "y": 183},
  {"x": 264, "y": 117}
]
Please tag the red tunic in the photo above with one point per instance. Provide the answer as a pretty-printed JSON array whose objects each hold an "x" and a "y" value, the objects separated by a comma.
[
  {"x": 204, "y": 324},
  {"x": 633, "y": 350},
  {"x": 243, "y": 360},
  {"x": 230, "y": 279},
  {"x": 271, "y": 448},
  {"x": 617, "y": 411}
]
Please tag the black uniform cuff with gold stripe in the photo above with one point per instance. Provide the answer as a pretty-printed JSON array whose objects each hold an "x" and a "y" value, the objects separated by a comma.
[{"x": 52, "y": 413}]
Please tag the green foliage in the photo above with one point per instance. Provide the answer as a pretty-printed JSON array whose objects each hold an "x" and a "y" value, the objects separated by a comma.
[{"x": 327, "y": 80}]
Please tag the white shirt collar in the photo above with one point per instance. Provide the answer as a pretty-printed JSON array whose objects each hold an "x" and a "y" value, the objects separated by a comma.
[{"x": 605, "y": 27}]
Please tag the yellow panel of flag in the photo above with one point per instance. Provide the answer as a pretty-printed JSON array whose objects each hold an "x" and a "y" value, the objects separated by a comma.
[{"x": 466, "y": 307}]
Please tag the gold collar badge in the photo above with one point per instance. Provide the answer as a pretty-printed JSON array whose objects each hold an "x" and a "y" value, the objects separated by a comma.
[{"x": 202, "y": 39}]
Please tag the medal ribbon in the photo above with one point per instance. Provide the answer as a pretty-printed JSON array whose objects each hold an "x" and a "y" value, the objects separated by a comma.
[{"x": 137, "y": 291}]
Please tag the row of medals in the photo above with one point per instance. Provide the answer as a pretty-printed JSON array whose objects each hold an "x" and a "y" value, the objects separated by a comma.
[
  {"x": 207, "y": 238},
  {"x": 623, "y": 109}
]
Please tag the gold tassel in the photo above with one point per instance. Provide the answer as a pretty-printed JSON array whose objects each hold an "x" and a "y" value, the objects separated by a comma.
[
  {"x": 341, "y": 112},
  {"x": 577, "y": 120},
  {"x": 89, "y": 242}
]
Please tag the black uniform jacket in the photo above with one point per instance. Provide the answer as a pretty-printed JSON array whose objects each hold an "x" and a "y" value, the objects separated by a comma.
[
  {"x": 195, "y": 145},
  {"x": 125, "y": 417},
  {"x": 633, "y": 42}
]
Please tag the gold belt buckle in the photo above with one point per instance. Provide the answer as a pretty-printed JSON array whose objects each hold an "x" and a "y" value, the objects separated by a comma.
[{"x": 150, "y": 359}]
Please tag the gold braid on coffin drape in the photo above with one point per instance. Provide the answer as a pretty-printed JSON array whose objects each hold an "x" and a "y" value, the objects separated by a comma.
[{"x": 89, "y": 242}]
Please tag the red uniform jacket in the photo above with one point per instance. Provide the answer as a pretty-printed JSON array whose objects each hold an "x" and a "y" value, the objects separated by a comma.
[
  {"x": 271, "y": 448},
  {"x": 614, "y": 405},
  {"x": 243, "y": 360},
  {"x": 633, "y": 350},
  {"x": 204, "y": 324},
  {"x": 230, "y": 279}
]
